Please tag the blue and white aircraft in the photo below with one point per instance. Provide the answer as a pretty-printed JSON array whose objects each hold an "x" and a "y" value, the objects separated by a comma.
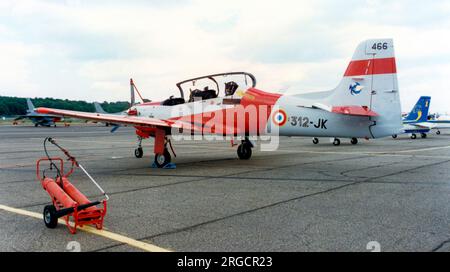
[{"x": 415, "y": 121}]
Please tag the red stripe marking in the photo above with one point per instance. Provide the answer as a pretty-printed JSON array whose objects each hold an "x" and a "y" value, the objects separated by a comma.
[
  {"x": 371, "y": 67},
  {"x": 354, "y": 110}
]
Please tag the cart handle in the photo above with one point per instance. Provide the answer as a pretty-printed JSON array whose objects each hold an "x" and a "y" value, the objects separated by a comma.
[
  {"x": 93, "y": 181},
  {"x": 38, "y": 166}
]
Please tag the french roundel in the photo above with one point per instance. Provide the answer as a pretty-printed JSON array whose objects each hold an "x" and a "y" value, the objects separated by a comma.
[{"x": 279, "y": 118}]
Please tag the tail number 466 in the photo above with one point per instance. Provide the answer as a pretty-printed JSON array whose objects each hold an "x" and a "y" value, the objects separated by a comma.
[{"x": 380, "y": 46}]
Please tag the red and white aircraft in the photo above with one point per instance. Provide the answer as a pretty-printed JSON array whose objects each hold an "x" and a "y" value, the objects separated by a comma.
[{"x": 365, "y": 104}]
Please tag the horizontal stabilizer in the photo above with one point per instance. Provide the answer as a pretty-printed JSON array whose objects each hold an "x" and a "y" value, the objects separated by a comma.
[{"x": 354, "y": 110}]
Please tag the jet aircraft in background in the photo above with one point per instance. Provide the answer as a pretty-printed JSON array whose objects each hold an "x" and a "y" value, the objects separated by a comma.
[{"x": 39, "y": 119}]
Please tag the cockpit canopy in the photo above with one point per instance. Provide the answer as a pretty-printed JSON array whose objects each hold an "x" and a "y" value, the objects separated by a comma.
[
  {"x": 216, "y": 85},
  {"x": 212, "y": 86}
]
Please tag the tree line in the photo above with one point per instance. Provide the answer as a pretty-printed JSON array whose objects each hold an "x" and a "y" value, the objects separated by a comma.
[{"x": 11, "y": 106}]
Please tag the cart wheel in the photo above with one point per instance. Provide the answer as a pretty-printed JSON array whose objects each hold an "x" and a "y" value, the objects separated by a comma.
[
  {"x": 138, "y": 152},
  {"x": 50, "y": 219}
]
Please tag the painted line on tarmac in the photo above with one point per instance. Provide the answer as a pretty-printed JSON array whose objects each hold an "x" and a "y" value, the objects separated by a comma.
[{"x": 103, "y": 233}]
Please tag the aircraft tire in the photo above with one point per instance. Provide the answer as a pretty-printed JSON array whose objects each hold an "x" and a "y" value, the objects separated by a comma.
[
  {"x": 49, "y": 215},
  {"x": 138, "y": 152},
  {"x": 423, "y": 135},
  {"x": 162, "y": 160},
  {"x": 315, "y": 140},
  {"x": 413, "y": 136},
  {"x": 244, "y": 151},
  {"x": 354, "y": 141},
  {"x": 394, "y": 136},
  {"x": 36, "y": 125},
  {"x": 336, "y": 142},
  {"x": 438, "y": 132}
]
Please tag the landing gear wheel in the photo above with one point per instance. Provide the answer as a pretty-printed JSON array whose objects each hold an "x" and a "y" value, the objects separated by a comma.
[
  {"x": 394, "y": 136},
  {"x": 438, "y": 132},
  {"x": 244, "y": 151},
  {"x": 50, "y": 219},
  {"x": 138, "y": 152},
  {"x": 36, "y": 125},
  {"x": 354, "y": 141},
  {"x": 423, "y": 135},
  {"x": 413, "y": 136},
  {"x": 162, "y": 160},
  {"x": 336, "y": 142},
  {"x": 315, "y": 140}
]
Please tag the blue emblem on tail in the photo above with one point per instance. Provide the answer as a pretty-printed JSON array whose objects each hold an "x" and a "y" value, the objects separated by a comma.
[{"x": 355, "y": 88}]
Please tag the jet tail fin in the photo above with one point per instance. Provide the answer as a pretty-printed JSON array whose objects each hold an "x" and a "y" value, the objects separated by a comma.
[
  {"x": 420, "y": 111},
  {"x": 98, "y": 108},
  {"x": 30, "y": 105}
]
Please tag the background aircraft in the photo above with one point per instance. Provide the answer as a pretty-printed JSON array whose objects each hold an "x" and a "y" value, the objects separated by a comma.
[
  {"x": 39, "y": 119},
  {"x": 439, "y": 123},
  {"x": 414, "y": 122},
  {"x": 365, "y": 104}
]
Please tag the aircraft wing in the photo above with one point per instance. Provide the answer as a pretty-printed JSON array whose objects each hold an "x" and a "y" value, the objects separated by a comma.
[
  {"x": 121, "y": 119},
  {"x": 423, "y": 125}
]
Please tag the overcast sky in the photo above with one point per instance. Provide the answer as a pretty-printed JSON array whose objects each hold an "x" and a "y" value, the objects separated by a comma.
[{"x": 88, "y": 50}]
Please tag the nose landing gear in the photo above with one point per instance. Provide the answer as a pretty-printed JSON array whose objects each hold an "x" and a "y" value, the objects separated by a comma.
[{"x": 139, "y": 152}]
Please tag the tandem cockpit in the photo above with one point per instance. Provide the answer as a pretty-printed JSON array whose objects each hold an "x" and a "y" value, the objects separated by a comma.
[{"x": 212, "y": 86}]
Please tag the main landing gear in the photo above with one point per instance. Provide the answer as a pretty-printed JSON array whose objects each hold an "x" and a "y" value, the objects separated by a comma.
[
  {"x": 438, "y": 132},
  {"x": 336, "y": 141},
  {"x": 161, "y": 160},
  {"x": 423, "y": 135},
  {"x": 244, "y": 150}
]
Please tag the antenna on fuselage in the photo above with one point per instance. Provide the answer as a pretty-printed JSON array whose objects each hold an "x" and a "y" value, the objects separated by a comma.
[
  {"x": 132, "y": 102},
  {"x": 133, "y": 88}
]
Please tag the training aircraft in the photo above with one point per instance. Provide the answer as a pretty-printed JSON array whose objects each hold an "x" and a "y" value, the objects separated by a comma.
[
  {"x": 39, "y": 119},
  {"x": 365, "y": 104}
]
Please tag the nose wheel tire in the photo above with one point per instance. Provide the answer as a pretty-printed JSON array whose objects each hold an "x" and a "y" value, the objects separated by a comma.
[
  {"x": 413, "y": 136},
  {"x": 336, "y": 142},
  {"x": 162, "y": 160},
  {"x": 423, "y": 135},
  {"x": 438, "y": 132},
  {"x": 354, "y": 141},
  {"x": 138, "y": 152},
  {"x": 244, "y": 151},
  {"x": 50, "y": 219},
  {"x": 394, "y": 136},
  {"x": 315, "y": 140}
]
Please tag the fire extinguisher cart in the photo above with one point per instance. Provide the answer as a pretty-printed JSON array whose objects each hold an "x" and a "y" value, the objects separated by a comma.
[{"x": 67, "y": 201}]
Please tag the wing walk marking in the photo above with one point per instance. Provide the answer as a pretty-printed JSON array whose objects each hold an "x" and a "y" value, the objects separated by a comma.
[{"x": 103, "y": 233}]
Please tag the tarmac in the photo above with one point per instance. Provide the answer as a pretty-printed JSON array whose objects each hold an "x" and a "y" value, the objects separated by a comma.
[{"x": 391, "y": 193}]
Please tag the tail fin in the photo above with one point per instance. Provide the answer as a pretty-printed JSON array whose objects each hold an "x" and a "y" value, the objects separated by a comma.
[
  {"x": 98, "y": 108},
  {"x": 371, "y": 81},
  {"x": 30, "y": 105},
  {"x": 420, "y": 111}
]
